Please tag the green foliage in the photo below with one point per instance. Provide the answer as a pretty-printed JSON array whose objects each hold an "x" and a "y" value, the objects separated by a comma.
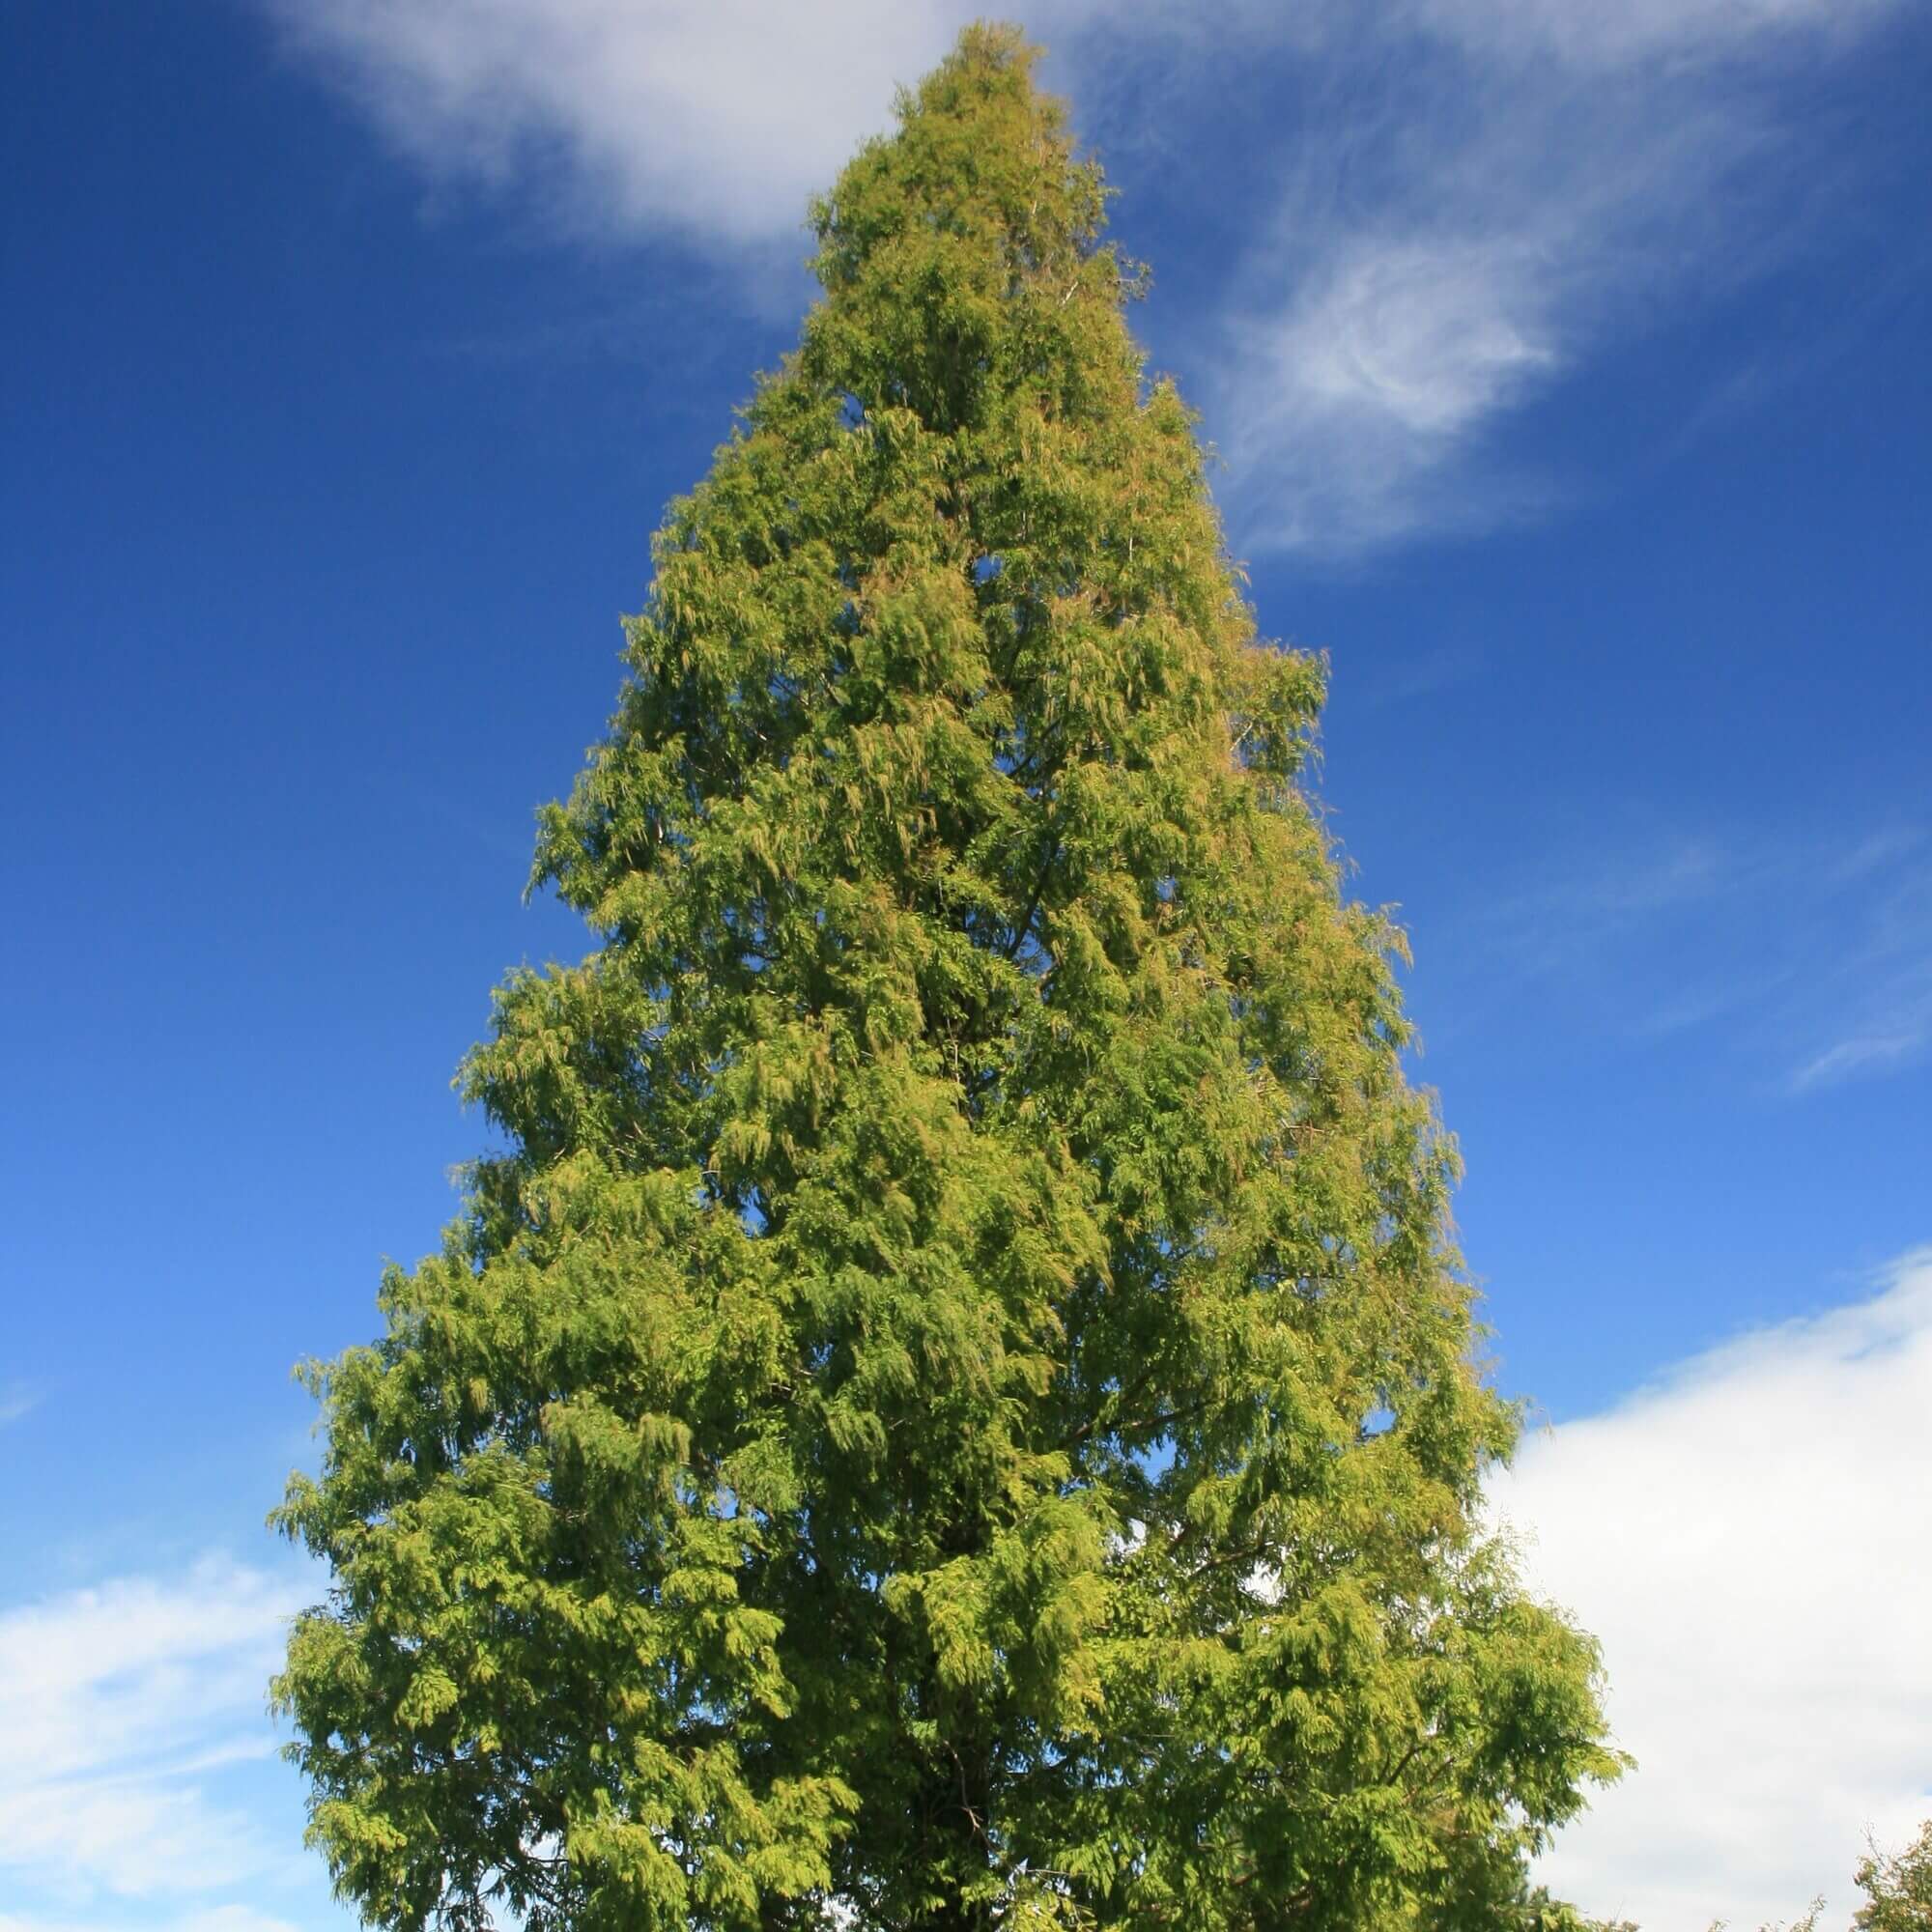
[
  {"x": 956, "y": 1406},
  {"x": 1897, "y": 1888}
]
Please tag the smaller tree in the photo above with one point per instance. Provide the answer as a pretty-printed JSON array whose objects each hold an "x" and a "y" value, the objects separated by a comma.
[{"x": 1897, "y": 1888}]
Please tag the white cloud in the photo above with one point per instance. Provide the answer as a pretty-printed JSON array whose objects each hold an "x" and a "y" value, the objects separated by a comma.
[
  {"x": 1752, "y": 1540},
  {"x": 16, "y": 1399},
  {"x": 715, "y": 121},
  {"x": 1469, "y": 196},
  {"x": 120, "y": 1706},
  {"x": 1385, "y": 358}
]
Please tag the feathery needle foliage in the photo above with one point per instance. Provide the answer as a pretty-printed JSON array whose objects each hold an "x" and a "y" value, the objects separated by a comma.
[{"x": 957, "y": 1408}]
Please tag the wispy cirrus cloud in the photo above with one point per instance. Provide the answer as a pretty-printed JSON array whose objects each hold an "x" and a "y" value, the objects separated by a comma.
[
  {"x": 1884, "y": 976},
  {"x": 1746, "y": 1538},
  {"x": 1815, "y": 953},
  {"x": 129, "y": 1710},
  {"x": 1516, "y": 188},
  {"x": 1868, "y": 1052},
  {"x": 1588, "y": 37},
  {"x": 1453, "y": 203}
]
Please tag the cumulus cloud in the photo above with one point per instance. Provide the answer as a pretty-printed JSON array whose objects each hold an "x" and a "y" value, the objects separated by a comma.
[
  {"x": 1752, "y": 1540},
  {"x": 122, "y": 1707}
]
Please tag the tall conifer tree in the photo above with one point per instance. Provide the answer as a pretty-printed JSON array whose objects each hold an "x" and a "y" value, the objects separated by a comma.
[{"x": 955, "y": 1409}]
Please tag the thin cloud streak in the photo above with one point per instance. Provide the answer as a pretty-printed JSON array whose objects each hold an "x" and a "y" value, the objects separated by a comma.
[
  {"x": 1814, "y": 954},
  {"x": 1426, "y": 674},
  {"x": 1862, "y": 1053},
  {"x": 1744, "y": 1540},
  {"x": 1887, "y": 974},
  {"x": 1588, "y": 37}
]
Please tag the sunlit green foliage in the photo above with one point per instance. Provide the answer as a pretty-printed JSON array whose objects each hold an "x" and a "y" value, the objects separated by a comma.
[{"x": 956, "y": 1407}]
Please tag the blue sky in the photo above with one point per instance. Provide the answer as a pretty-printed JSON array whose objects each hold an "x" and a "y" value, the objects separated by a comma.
[{"x": 1565, "y": 364}]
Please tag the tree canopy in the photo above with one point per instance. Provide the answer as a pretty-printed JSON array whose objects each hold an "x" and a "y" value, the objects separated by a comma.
[
  {"x": 954, "y": 1403},
  {"x": 1898, "y": 1887}
]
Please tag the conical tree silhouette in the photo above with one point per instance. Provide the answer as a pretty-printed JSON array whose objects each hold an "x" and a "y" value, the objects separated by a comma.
[{"x": 956, "y": 1409}]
